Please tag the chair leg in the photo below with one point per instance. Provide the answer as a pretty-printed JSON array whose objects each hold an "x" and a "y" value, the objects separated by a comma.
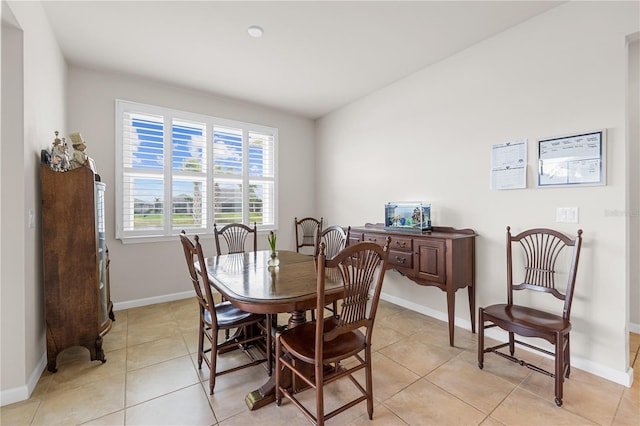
[
  {"x": 567, "y": 358},
  {"x": 512, "y": 344},
  {"x": 559, "y": 372},
  {"x": 226, "y": 332},
  {"x": 212, "y": 363},
  {"x": 369, "y": 381},
  {"x": 200, "y": 343},
  {"x": 319, "y": 372},
  {"x": 480, "y": 338},
  {"x": 269, "y": 328},
  {"x": 294, "y": 376},
  {"x": 278, "y": 373}
]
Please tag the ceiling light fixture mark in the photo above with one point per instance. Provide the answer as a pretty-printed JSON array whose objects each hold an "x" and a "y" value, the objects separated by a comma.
[{"x": 255, "y": 31}]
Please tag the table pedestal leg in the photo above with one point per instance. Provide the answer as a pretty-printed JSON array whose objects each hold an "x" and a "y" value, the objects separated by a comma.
[
  {"x": 297, "y": 318},
  {"x": 266, "y": 394}
]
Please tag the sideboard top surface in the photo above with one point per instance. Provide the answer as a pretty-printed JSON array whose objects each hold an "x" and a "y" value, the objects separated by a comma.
[{"x": 436, "y": 231}]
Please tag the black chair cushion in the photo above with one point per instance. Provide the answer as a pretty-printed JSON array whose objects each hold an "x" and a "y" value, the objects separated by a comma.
[{"x": 228, "y": 315}]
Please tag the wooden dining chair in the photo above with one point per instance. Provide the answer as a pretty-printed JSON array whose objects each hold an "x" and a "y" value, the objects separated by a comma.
[
  {"x": 336, "y": 347},
  {"x": 235, "y": 236},
  {"x": 541, "y": 254},
  {"x": 307, "y": 230},
  {"x": 223, "y": 316}
]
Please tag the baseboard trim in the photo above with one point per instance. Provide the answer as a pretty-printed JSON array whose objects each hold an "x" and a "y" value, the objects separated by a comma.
[
  {"x": 120, "y": 306},
  {"x": 634, "y": 328},
  {"x": 21, "y": 393},
  {"x": 439, "y": 315},
  {"x": 624, "y": 378}
]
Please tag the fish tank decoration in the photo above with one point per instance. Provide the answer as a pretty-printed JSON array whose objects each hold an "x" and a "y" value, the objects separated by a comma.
[{"x": 407, "y": 216}]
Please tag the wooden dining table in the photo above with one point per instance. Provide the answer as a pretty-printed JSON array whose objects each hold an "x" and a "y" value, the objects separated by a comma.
[{"x": 249, "y": 283}]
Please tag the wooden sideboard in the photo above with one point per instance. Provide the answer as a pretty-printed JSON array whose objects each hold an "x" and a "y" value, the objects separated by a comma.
[{"x": 444, "y": 257}]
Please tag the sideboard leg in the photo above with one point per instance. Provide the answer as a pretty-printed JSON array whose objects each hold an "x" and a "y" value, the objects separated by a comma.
[
  {"x": 472, "y": 306},
  {"x": 451, "y": 307}
]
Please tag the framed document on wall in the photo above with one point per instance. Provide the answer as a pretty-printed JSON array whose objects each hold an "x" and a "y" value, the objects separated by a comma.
[{"x": 575, "y": 160}]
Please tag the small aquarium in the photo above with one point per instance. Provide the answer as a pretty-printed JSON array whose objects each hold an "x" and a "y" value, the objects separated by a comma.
[{"x": 409, "y": 216}]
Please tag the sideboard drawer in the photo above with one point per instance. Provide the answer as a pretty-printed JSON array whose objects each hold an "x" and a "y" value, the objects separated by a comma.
[
  {"x": 379, "y": 239},
  {"x": 355, "y": 237},
  {"x": 400, "y": 259},
  {"x": 402, "y": 244}
]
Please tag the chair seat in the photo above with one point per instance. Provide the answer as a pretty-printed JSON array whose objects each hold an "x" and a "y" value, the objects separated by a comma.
[
  {"x": 527, "y": 320},
  {"x": 229, "y": 316},
  {"x": 301, "y": 341}
]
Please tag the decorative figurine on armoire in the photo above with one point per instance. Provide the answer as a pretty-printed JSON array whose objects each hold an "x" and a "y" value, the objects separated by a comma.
[
  {"x": 79, "y": 158},
  {"x": 59, "y": 158}
]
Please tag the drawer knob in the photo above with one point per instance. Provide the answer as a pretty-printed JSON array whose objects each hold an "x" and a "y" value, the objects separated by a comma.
[
  {"x": 402, "y": 244},
  {"x": 401, "y": 259}
]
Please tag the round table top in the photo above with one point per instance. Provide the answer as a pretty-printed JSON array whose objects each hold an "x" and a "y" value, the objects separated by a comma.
[{"x": 247, "y": 281}]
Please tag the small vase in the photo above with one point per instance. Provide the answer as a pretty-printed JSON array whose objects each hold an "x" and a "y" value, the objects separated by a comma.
[{"x": 273, "y": 259}]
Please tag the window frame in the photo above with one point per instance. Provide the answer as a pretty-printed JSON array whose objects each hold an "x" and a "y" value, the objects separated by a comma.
[{"x": 168, "y": 231}]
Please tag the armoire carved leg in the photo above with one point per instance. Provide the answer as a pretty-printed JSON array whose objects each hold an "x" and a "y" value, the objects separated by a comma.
[
  {"x": 99, "y": 352},
  {"x": 51, "y": 362}
]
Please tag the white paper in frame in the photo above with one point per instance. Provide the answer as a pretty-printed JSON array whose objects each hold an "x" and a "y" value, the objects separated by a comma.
[{"x": 573, "y": 160}]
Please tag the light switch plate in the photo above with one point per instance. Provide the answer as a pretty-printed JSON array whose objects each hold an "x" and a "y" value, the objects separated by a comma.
[
  {"x": 567, "y": 214},
  {"x": 31, "y": 219}
]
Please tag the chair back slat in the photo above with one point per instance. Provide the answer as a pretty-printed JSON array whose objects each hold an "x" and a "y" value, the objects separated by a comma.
[
  {"x": 542, "y": 248},
  {"x": 307, "y": 230},
  {"x": 335, "y": 238},
  {"x": 541, "y": 251},
  {"x": 235, "y": 236}
]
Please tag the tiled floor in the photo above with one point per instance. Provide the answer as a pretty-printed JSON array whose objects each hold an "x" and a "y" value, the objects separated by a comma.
[{"x": 151, "y": 378}]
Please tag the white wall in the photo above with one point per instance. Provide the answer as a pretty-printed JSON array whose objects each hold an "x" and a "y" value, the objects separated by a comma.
[
  {"x": 144, "y": 273},
  {"x": 428, "y": 137},
  {"x": 33, "y": 99}
]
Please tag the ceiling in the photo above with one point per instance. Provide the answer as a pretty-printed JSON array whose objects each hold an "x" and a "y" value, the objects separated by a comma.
[{"x": 314, "y": 56}]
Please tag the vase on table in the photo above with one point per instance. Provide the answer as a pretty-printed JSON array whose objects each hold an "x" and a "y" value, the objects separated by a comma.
[{"x": 273, "y": 259}]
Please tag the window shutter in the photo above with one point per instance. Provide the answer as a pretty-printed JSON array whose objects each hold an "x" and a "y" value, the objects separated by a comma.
[
  {"x": 261, "y": 178},
  {"x": 189, "y": 174},
  {"x": 143, "y": 177},
  {"x": 228, "y": 150}
]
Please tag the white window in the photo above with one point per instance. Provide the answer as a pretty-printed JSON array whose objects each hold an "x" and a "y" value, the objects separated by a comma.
[{"x": 177, "y": 170}]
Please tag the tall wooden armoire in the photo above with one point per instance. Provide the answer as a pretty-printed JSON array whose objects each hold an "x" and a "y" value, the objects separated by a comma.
[{"x": 78, "y": 305}]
